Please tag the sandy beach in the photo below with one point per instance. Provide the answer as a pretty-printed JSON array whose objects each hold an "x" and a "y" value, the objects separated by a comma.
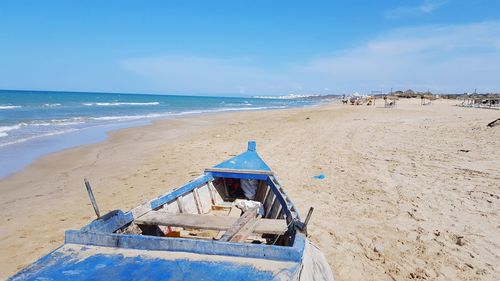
[{"x": 411, "y": 192}]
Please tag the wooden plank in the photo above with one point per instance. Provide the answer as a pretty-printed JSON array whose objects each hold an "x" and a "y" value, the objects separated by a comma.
[
  {"x": 219, "y": 208},
  {"x": 180, "y": 205},
  {"x": 223, "y": 170},
  {"x": 281, "y": 214},
  {"x": 274, "y": 210},
  {"x": 261, "y": 192},
  {"x": 247, "y": 220},
  {"x": 197, "y": 201},
  {"x": 211, "y": 191},
  {"x": 205, "y": 200},
  {"x": 170, "y": 207},
  {"x": 290, "y": 212},
  {"x": 235, "y": 212},
  {"x": 168, "y": 197},
  {"x": 189, "y": 204},
  {"x": 245, "y": 231},
  {"x": 268, "y": 202},
  {"x": 268, "y": 226},
  {"x": 293, "y": 253}
]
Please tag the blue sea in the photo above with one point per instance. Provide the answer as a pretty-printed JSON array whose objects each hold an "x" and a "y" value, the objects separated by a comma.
[{"x": 35, "y": 123}]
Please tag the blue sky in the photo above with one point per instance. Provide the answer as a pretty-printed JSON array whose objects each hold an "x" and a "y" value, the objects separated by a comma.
[{"x": 250, "y": 47}]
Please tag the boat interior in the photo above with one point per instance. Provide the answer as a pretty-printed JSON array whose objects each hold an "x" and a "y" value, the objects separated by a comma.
[{"x": 213, "y": 211}]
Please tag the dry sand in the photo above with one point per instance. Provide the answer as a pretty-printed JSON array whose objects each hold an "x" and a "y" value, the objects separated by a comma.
[{"x": 410, "y": 192}]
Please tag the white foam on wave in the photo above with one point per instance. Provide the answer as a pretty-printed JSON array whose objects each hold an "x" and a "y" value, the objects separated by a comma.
[
  {"x": 58, "y": 122},
  {"x": 189, "y": 112},
  {"x": 40, "y": 123},
  {"x": 121, "y": 103},
  {"x": 118, "y": 118},
  {"x": 131, "y": 117},
  {"x": 5, "y": 129},
  {"x": 38, "y": 136},
  {"x": 10, "y": 106},
  {"x": 236, "y": 104},
  {"x": 227, "y": 109},
  {"x": 52, "y": 104}
]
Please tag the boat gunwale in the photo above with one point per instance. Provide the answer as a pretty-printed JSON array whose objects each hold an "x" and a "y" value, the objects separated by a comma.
[
  {"x": 101, "y": 231},
  {"x": 239, "y": 171},
  {"x": 209, "y": 247}
]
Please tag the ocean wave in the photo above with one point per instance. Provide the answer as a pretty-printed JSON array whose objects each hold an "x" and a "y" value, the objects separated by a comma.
[
  {"x": 121, "y": 103},
  {"x": 38, "y": 136},
  {"x": 236, "y": 104},
  {"x": 58, "y": 122},
  {"x": 52, "y": 104},
  {"x": 5, "y": 129},
  {"x": 117, "y": 118},
  {"x": 189, "y": 112},
  {"x": 228, "y": 109},
  {"x": 42, "y": 123},
  {"x": 131, "y": 117},
  {"x": 10, "y": 106}
]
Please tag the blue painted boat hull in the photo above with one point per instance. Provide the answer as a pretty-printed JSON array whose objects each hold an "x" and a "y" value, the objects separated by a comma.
[
  {"x": 78, "y": 262},
  {"x": 105, "y": 249}
]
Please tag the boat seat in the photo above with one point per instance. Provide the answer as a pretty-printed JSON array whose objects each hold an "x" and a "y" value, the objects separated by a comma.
[{"x": 263, "y": 226}]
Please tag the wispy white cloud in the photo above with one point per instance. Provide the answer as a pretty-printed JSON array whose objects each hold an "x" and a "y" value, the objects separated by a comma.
[
  {"x": 451, "y": 58},
  {"x": 446, "y": 58},
  {"x": 426, "y": 7}
]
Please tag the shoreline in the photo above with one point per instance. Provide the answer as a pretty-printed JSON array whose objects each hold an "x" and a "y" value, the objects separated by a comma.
[
  {"x": 40, "y": 146},
  {"x": 392, "y": 175}
]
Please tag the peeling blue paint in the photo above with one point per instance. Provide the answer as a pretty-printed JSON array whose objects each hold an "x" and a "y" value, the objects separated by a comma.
[
  {"x": 59, "y": 266},
  {"x": 208, "y": 247},
  {"x": 109, "y": 222},
  {"x": 248, "y": 160}
]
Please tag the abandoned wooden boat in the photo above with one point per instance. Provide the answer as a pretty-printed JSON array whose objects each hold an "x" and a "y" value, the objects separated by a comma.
[{"x": 235, "y": 222}]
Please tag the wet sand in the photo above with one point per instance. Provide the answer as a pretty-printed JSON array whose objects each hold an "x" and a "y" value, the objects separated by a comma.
[{"x": 411, "y": 192}]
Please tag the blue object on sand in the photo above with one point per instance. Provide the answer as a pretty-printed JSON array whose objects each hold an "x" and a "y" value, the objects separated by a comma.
[{"x": 320, "y": 176}]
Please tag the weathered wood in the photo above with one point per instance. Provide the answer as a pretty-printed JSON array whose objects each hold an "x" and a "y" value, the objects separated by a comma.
[
  {"x": 246, "y": 221},
  {"x": 170, "y": 207},
  {"x": 245, "y": 231},
  {"x": 180, "y": 205},
  {"x": 197, "y": 201},
  {"x": 281, "y": 214},
  {"x": 268, "y": 202},
  {"x": 273, "y": 213},
  {"x": 235, "y": 212},
  {"x": 290, "y": 212},
  {"x": 268, "y": 226},
  {"x": 261, "y": 192},
  {"x": 211, "y": 191},
  {"x": 205, "y": 200},
  {"x": 168, "y": 197},
  {"x": 223, "y": 170},
  {"x": 92, "y": 198},
  {"x": 219, "y": 208},
  {"x": 189, "y": 204}
]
